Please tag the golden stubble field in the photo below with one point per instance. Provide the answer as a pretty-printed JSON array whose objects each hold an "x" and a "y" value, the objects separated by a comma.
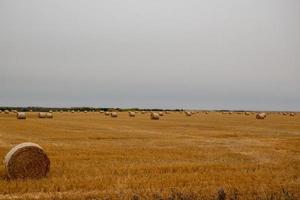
[{"x": 94, "y": 156}]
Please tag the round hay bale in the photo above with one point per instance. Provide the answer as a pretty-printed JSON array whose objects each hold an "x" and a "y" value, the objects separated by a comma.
[
  {"x": 85, "y": 111},
  {"x": 21, "y": 115},
  {"x": 154, "y": 116},
  {"x": 6, "y": 111},
  {"x": 42, "y": 115},
  {"x": 114, "y": 114},
  {"x": 161, "y": 113},
  {"x": 131, "y": 114},
  {"x": 187, "y": 113},
  {"x": 261, "y": 115},
  {"x": 101, "y": 111},
  {"x": 247, "y": 113},
  {"x": 292, "y": 114},
  {"x": 50, "y": 111},
  {"x": 107, "y": 113},
  {"x": 49, "y": 115},
  {"x": 143, "y": 112},
  {"x": 26, "y": 160},
  {"x": 206, "y": 113}
]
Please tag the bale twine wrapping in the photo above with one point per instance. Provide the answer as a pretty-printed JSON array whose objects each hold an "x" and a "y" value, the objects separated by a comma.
[
  {"x": 131, "y": 114},
  {"x": 154, "y": 116},
  {"x": 42, "y": 115},
  {"x": 261, "y": 115},
  {"x": 21, "y": 115},
  {"x": 26, "y": 160},
  {"x": 49, "y": 115},
  {"x": 114, "y": 114}
]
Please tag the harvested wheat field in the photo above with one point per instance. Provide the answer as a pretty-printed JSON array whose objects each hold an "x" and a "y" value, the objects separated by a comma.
[{"x": 177, "y": 157}]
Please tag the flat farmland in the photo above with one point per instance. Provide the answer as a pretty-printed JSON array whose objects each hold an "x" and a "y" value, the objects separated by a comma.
[{"x": 94, "y": 156}]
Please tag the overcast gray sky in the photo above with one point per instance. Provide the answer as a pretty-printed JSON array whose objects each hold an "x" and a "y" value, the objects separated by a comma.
[{"x": 212, "y": 54}]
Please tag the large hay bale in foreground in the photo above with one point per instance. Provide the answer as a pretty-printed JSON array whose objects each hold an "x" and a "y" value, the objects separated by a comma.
[
  {"x": 154, "y": 116},
  {"x": 261, "y": 115},
  {"x": 42, "y": 115},
  {"x": 114, "y": 114},
  {"x": 49, "y": 115},
  {"x": 21, "y": 115},
  {"x": 131, "y": 114},
  {"x": 26, "y": 160}
]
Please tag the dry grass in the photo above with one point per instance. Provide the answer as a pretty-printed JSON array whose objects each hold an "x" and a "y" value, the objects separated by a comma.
[{"x": 94, "y": 156}]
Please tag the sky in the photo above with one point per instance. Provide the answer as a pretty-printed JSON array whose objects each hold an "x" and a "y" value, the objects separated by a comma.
[{"x": 191, "y": 54}]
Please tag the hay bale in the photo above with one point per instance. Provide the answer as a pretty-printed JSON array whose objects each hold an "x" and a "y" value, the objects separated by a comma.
[
  {"x": 261, "y": 115},
  {"x": 161, "y": 113},
  {"x": 187, "y": 113},
  {"x": 6, "y": 111},
  {"x": 49, "y": 115},
  {"x": 114, "y": 114},
  {"x": 21, "y": 115},
  {"x": 154, "y": 116},
  {"x": 292, "y": 114},
  {"x": 101, "y": 111},
  {"x": 143, "y": 112},
  {"x": 247, "y": 113},
  {"x": 206, "y": 113},
  {"x": 50, "y": 111},
  {"x": 107, "y": 113},
  {"x": 26, "y": 160},
  {"x": 42, "y": 115},
  {"x": 131, "y": 114}
]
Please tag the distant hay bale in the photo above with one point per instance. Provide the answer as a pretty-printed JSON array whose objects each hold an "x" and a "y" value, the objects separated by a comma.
[
  {"x": 247, "y": 113},
  {"x": 143, "y": 112},
  {"x": 101, "y": 111},
  {"x": 114, "y": 114},
  {"x": 42, "y": 115},
  {"x": 292, "y": 114},
  {"x": 50, "y": 111},
  {"x": 26, "y": 160},
  {"x": 154, "y": 116},
  {"x": 187, "y": 113},
  {"x": 261, "y": 115},
  {"x": 206, "y": 113},
  {"x": 131, "y": 114},
  {"x": 21, "y": 115},
  {"x": 6, "y": 111},
  {"x": 285, "y": 114},
  {"x": 161, "y": 113},
  {"x": 49, "y": 115},
  {"x": 107, "y": 113},
  {"x": 73, "y": 111}
]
